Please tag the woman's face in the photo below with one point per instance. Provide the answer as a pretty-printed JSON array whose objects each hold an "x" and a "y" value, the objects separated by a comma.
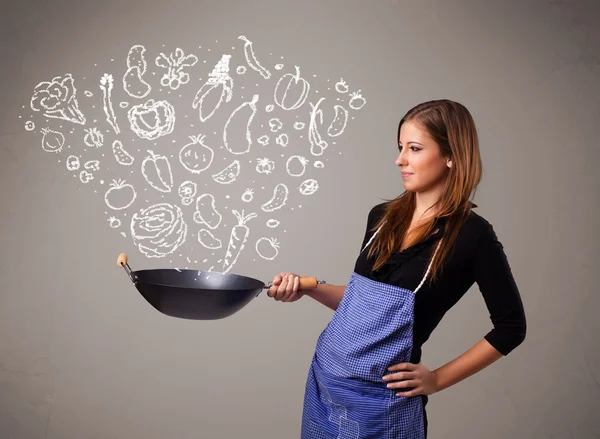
[{"x": 424, "y": 169}]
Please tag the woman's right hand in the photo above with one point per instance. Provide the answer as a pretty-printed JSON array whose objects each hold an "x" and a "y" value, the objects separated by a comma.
[{"x": 285, "y": 287}]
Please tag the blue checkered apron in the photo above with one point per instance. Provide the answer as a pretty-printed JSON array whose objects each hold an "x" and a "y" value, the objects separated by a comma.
[{"x": 345, "y": 396}]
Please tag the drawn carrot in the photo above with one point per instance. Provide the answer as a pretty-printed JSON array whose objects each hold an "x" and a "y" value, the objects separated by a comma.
[{"x": 237, "y": 239}]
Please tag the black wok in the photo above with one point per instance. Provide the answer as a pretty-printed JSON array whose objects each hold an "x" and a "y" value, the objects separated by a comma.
[{"x": 196, "y": 294}]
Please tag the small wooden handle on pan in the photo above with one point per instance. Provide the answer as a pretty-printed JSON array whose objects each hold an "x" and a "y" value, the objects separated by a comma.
[
  {"x": 307, "y": 283},
  {"x": 122, "y": 260}
]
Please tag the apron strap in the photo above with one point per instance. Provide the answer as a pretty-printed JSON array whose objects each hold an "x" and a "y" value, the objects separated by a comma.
[{"x": 430, "y": 263}]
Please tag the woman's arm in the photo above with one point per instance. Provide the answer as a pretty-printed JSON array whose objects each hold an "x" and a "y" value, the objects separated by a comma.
[
  {"x": 472, "y": 361},
  {"x": 286, "y": 288},
  {"x": 328, "y": 295},
  {"x": 492, "y": 273}
]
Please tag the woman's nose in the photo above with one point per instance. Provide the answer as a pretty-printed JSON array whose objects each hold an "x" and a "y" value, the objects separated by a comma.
[{"x": 400, "y": 160}]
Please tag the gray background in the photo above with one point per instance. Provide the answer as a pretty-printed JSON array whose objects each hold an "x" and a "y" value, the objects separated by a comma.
[{"x": 83, "y": 356}]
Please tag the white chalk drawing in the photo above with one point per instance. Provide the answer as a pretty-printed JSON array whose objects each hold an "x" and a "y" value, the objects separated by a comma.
[
  {"x": 106, "y": 85},
  {"x": 114, "y": 223},
  {"x": 248, "y": 195},
  {"x": 267, "y": 248},
  {"x": 158, "y": 230},
  {"x": 73, "y": 163},
  {"x": 52, "y": 141},
  {"x": 296, "y": 165},
  {"x": 272, "y": 223},
  {"x": 120, "y": 195},
  {"x": 278, "y": 200},
  {"x": 263, "y": 140},
  {"x": 282, "y": 140},
  {"x": 357, "y": 101},
  {"x": 58, "y": 99},
  {"x": 133, "y": 83},
  {"x": 251, "y": 58},
  {"x": 239, "y": 123},
  {"x": 341, "y": 86},
  {"x": 152, "y": 119},
  {"x": 175, "y": 63},
  {"x": 92, "y": 165},
  {"x": 265, "y": 166},
  {"x": 206, "y": 211},
  {"x": 338, "y": 124},
  {"x": 196, "y": 156},
  {"x": 156, "y": 169},
  {"x": 121, "y": 156},
  {"x": 93, "y": 138},
  {"x": 291, "y": 91},
  {"x": 208, "y": 240},
  {"x": 308, "y": 187},
  {"x": 317, "y": 144},
  {"x": 85, "y": 176},
  {"x": 218, "y": 87},
  {"x": 187, "y": 191},
  {"x": 275, "y": 124},
  {"x": 237, "y": 239},
  {"x": 229, "y": 174}
]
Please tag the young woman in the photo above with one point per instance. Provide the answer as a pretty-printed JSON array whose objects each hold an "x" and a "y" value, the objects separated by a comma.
[{"x": 421, "y": 252}]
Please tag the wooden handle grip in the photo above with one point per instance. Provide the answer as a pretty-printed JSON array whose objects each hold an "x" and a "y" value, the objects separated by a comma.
[
  {"x": 122, "y": 260},
  {"x": 307, "y": 283}
]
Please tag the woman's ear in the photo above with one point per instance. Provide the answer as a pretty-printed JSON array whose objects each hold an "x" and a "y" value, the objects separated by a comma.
[{"x": 449, "y": 163}]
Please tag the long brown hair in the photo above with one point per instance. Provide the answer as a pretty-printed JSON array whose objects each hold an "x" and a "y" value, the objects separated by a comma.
[{"x": 451, "y": 125}]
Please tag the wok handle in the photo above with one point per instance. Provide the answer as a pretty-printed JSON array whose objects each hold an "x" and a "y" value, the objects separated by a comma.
[
  {"x": 306, "y": 283},
  {"x": 122, "y": 262}
]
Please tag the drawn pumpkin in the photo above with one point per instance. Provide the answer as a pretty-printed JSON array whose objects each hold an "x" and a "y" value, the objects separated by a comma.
[
  {"x": 152, "y": 119},
  {"x": 291, "y": 91}
]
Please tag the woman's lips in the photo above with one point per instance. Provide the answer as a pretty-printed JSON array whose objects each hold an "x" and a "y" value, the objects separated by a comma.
[{"x": 406, "y": 174}]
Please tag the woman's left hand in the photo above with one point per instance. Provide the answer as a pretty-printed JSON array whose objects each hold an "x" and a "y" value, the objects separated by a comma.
[{"x": 416, "y": 376}]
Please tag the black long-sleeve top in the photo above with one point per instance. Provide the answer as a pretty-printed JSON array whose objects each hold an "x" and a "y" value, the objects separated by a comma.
[{"x": 477, "y": 257}]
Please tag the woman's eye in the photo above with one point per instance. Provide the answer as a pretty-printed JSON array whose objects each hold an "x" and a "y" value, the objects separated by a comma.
[{"x": 415, "y": 148}]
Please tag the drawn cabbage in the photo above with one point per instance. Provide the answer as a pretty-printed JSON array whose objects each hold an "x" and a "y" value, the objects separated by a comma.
[{"x": 158, "y": 230}]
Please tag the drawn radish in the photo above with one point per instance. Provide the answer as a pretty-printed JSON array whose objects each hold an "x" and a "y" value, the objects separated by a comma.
[
  {"x": 356, "y": 101},
  {"x": 317, "y": 144},
  {"x": 52, "y": 141},
  {"x": 237, "y": 239},
  {"x": 341, "y": 86}
]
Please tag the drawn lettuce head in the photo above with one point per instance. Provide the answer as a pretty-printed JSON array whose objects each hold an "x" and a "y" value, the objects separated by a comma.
[
  {"x": 57, "y": 99},
  {"x": 158, "y": 230}
]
